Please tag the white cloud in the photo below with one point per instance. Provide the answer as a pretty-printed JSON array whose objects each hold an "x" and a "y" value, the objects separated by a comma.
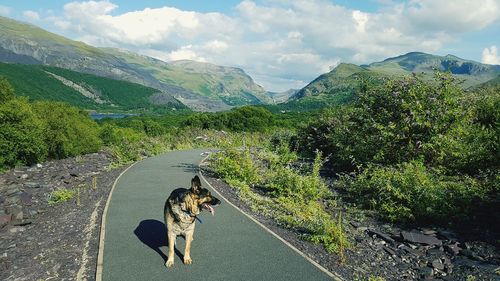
[
  {"x": 277, "y": 41},
  {"x": 4, "y": 10},
  {"x": 490, "y": 55},
  {"x": 453, "y": 15},
  {"x": 31, "y": 15}
]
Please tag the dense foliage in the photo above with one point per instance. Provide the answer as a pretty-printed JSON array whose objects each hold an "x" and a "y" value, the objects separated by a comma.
[
  {"x": 423, "y": 151},
  {"x": 29, "y": 133},
  {"x": 38, "y": 83},
  {"x": 68, "y": 131}
]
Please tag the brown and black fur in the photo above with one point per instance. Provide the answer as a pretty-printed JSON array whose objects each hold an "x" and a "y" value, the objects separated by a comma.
[{"x": 181, "y": 209}]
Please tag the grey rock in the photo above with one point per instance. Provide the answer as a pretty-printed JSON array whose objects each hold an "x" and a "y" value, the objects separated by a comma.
[
  {"x": 17, "y": 229},
  {"x": 453, "y": 249},
  {"x": 447, "y": 235},
  {"x": 26, "y": 198},
  {"x": 32, "y": 212},
  {"x": 437, "y": 264},
  {"x": 22, "y": 222},
  {"x": 30, "y": 184},
  {"x": 415, "y": 237},
  {"x": 4, "y": 220},
  {"x": 12, "y": 191},
  {"x": 12, "y": 200},
  {"x": 24, "y": 176},
  {"x": 425, "y": 272},
  {"x": 383, "y": 236}
]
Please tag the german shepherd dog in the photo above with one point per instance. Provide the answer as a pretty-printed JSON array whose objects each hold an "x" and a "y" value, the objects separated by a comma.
[{"x": 181, "y": 209}]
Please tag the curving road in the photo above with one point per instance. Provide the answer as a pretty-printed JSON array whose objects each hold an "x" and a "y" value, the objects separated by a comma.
[{"x": 227, "y": 246}]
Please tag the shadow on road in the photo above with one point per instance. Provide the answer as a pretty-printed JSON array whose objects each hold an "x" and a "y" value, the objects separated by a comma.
[
  {"x": 188, "y": 167},
  {"x": 153, "y": 233}
]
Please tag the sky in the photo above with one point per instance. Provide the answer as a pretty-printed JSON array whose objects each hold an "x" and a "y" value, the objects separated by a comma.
[{"x": 281, "y": 44}]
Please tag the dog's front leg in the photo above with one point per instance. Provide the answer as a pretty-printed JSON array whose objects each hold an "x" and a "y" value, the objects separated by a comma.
[
  {"x": 171, "y": 249},
  {"x": 187, "y": 250}
]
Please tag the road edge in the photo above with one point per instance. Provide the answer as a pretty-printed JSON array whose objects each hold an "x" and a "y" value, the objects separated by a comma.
[
  {"x": 102, "y": 234},
  {"x": 335, "y": 276}
]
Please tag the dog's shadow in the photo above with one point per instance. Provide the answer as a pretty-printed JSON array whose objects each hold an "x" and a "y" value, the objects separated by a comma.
[{"x": 153, "y": 233}]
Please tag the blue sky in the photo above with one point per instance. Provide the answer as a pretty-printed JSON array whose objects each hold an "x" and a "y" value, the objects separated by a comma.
[{"x": 281, "y": 44}]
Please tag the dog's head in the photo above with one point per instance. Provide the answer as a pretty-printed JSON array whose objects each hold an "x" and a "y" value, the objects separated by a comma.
[{"x": 201, "y": 198}]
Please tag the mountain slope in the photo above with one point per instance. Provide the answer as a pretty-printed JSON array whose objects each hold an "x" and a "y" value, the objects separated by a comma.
[
  {"x": 200, "y": 86},
  {"x": 38, "y": 82},
  {"x": 341, "y": 84}
]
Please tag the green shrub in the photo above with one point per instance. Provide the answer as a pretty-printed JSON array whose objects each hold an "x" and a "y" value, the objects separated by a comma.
[
  {"x": 391, "y": 124},
  {"x": 60, "y": 196},
  {"x": 6, "y": 90},
  {"x": 127, "y": 144},
  {"x": 21, "y": 134},
  {"x": 241, "y": 119},
  {"x": 293, "y": 199},
  {"x": 68, "y": 131},
  {"x": 235, "y": 164},
  {"x": 410, "y": 191}
]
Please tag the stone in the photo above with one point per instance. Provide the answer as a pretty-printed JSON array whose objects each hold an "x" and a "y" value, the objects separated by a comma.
[
  {"x": 437, "y": 264},
  {"x": 447, "y": 235},
  {"x": 415, "y": 237},
  {"x": 383, "y": 236},
  {"x": 39, "y": 165},
  {"x": 17, "y": 229},
  {"x": 30, "y": 184},
  {"x": 4, "y": 220},
  {"x": 22, "y": 222},
  {"x": 12, "y": 200},
  {"x": 24, "y": 176},
  {"x": 25, "y": 198},
  {"x": 32, "y": 212},
  {"x": 452, "y": 249},
  {"x": 12, "y": 191},
  {"x": 425, "y": 272},
  {"x": 2, "y": 199},
  {"x": 427, "y": 231}
]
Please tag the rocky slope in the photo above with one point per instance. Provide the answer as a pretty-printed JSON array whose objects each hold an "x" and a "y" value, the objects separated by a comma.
[{"x": 42, "y": 241}]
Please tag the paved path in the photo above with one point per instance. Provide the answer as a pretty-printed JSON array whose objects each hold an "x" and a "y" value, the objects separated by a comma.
[{"x": 227, "y": 246}]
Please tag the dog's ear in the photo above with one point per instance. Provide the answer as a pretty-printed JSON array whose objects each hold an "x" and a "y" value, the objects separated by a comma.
[{"x": 195, "y": 185}]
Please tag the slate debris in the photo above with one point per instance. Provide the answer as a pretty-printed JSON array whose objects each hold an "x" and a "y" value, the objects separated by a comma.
[
  {"x": 415, "y": 237},
  {"x": 41, "y": 242},
  {"x": 428, "y": 254}
]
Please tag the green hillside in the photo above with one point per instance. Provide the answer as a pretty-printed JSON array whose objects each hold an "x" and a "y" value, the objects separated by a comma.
[
  {"x": 342, "y": 83},
  {"x": 87, "y": 91},
  {"x": 201, "y": 86}
]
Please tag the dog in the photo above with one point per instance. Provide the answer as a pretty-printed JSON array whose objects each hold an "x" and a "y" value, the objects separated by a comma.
[{"x": 180, "y": 212}]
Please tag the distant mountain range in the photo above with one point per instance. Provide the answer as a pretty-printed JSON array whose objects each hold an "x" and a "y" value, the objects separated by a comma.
[
  {"x": 344, "y": 80},
  {"x": 30, "y": 51},
  {"x": 201, "y": 86}
]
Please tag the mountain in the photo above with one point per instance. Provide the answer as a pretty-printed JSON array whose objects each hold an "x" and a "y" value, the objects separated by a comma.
[
  {"x": 280, "y": 97},
  {"x": 39, "y": 82},
  {"x": 493, "y": 83},
  {"x": 341, "y": 84},
  {"x": 471, "y": 72},
  {"x": 201, "y": 86}
]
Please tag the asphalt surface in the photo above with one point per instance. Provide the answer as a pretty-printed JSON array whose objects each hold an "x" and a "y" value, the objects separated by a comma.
[{"x": 227, "y": 246}]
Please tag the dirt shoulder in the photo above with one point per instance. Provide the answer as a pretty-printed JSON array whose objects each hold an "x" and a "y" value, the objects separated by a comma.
[{"x": 39, "y": 241}]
